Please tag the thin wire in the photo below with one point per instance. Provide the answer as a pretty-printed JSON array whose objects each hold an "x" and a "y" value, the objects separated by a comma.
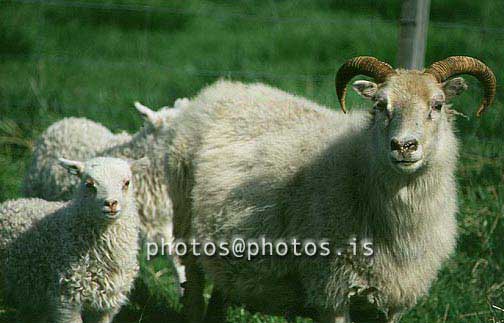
[
  {"x": 192, "y": 71},
  {"x": 221, "y": 16}
]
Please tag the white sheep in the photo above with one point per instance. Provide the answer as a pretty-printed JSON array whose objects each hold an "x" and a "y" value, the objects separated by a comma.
[
  {"x": 75, "y": 138},
  {"x": 154, "y": 207},
  {"x": 76, "y": 260},
  {"x": 252, "y": 161}
]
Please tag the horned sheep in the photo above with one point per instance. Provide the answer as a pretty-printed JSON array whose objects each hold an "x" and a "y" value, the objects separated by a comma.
[
  {"x": 253, "y": 161},
  {"x": 76, "y": 260}
]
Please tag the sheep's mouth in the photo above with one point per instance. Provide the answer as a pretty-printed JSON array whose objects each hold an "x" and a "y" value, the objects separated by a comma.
[
  {"x": 405, "y": 162},
  {"x": 111, "y": 214},
  {"x": 406, "y": 165}
]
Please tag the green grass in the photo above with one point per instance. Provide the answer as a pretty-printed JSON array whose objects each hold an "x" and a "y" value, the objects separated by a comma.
[{"x": 63, "y": 61}]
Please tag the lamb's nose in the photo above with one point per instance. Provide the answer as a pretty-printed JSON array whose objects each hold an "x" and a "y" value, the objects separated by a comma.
[
  {"x": 406, "y": 146},
  {"x": 112, "y": 204}
]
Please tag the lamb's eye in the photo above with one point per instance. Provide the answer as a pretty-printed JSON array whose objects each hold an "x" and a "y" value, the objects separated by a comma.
[
  {"x": 437, "y": 105},
  {"x": 126, "y": 184}
]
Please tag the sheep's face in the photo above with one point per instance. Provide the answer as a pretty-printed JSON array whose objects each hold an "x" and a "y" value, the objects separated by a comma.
[
  {"x": 106, "y": 186},
  {"x": 410, "y": 116}
]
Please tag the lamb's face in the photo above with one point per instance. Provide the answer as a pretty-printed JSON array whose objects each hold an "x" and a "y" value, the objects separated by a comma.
[
  {"x": 410, "y": 115},
  {"x": 106, "y": 186}
]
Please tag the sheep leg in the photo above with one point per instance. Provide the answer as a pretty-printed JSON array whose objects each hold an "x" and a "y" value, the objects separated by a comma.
[
  {"x": 66, "y": 313},
  {"x": 216, "y": 311},
  {"x": 179, "y": 273},
  {"x": 180, "y": 269},
  {"x": 193, "y": 301},
  {"x": 175, "y": 259}
]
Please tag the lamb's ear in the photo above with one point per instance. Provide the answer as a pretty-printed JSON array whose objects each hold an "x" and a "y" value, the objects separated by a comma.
[
  {"x": 139, "y": 164},
  {"x": 366, "y": 89},
  {"x": 454, "y": 87},
  {"x": 148, "y": 114},
  {"x": 72, "y": 166}
]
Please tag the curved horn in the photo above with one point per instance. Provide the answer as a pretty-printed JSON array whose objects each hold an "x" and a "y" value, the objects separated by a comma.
[
  {"x": 360, "y": 65},
  {"x": 456, "y": 65}
]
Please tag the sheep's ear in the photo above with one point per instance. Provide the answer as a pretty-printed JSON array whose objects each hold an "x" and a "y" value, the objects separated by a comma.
[
  {"x": 139, "y": 164},
  {"x": 72, "y": 166},
  {"x": 148, "y": 114},
  {"x": 454, "y": 87},
  {"x": 366, "y": 89}
]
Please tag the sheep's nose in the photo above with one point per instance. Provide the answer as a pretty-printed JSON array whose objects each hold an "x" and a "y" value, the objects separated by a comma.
[
  {"x": 112, "y": 204},
  {"x": 404, "y": 146}
]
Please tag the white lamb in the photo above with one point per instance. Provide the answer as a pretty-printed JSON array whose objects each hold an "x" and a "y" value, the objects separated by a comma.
[
  {"x": 77, "y": 260},
  {"x": 154, "y": 206}
]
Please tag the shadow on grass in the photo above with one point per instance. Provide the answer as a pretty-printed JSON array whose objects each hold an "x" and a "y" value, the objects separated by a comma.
[
  {"x": 146, "y": 307},
  {"x": 155, "y": 296}
]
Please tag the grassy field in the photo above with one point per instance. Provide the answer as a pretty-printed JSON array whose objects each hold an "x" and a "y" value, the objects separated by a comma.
[{"x": 79, "y": 60}]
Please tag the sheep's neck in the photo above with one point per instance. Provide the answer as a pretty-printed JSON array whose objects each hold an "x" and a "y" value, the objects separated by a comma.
[
  {"x": 403, "y": 207},
  {"x": 92, "y": 230}
]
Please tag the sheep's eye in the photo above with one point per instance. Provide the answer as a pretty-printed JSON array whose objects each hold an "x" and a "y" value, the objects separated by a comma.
[
  {"x": 437, "y": 105},
  {"x": 381, "y": 105},
  {"x": 126, "y": 184}
]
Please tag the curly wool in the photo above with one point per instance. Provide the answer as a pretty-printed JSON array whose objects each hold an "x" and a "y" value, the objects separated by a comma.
[
  {"x": 58, "y": 252},
  {"x": 253, "y": 161},
  {"x": 73, "y": 138},
  {"x": 82, "y": 139}
]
